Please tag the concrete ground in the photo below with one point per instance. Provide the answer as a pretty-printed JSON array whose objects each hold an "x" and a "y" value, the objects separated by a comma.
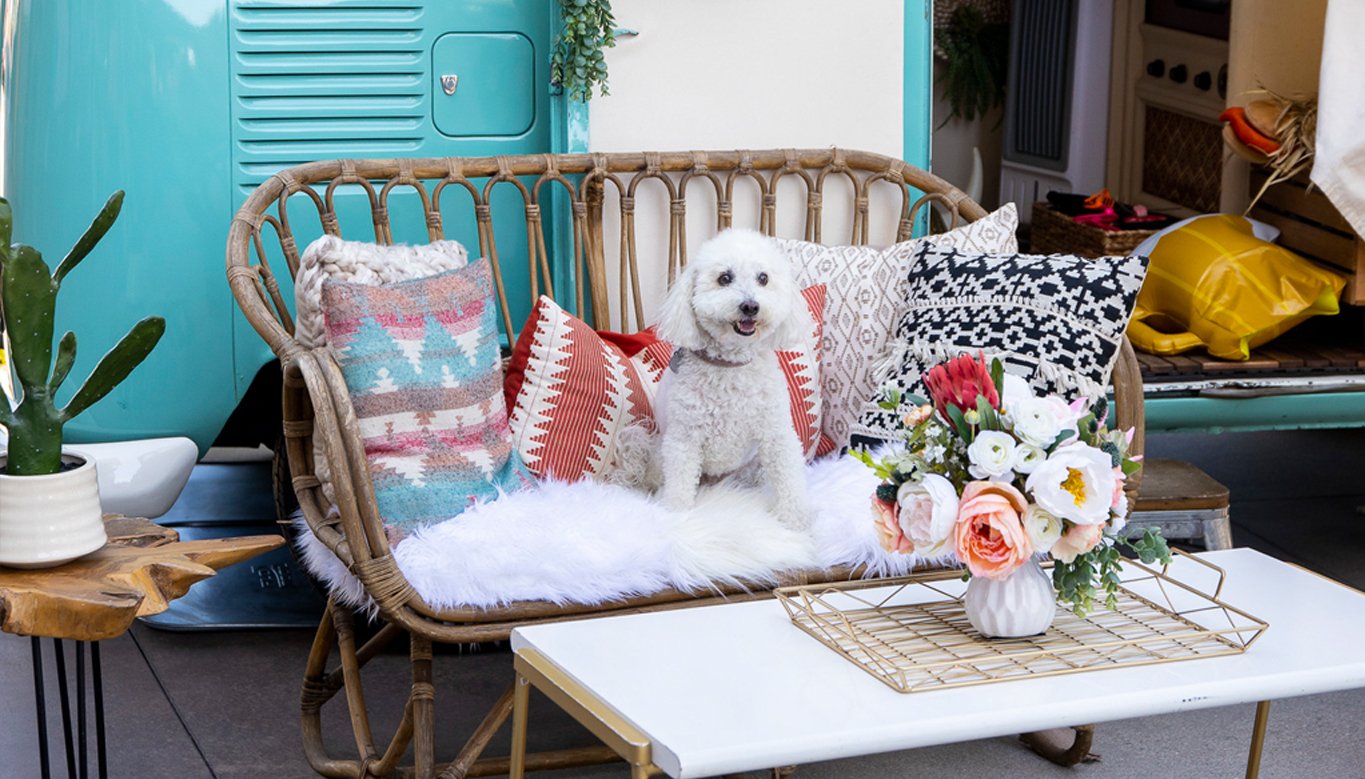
[{"x": 225, "y": 703}]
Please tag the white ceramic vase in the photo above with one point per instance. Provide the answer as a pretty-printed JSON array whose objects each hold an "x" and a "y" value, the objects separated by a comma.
[
  {"x": 51, "y": 519},
  {"x": 1021, "y": 604}
]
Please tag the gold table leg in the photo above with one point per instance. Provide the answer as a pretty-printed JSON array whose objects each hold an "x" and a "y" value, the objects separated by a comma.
[
  {"x": 1258, "y": 739},
  {"x": 622, "y": 737},
  {"x": 521, "y": 701}
]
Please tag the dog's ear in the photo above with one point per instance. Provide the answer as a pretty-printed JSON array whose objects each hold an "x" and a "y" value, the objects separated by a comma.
[
  {"x": 794, "y": 330},
  {"x": 677, "y": 320}
]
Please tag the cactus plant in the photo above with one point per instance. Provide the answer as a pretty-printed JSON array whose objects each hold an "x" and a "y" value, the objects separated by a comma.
[{"x": 28, "y": 302}]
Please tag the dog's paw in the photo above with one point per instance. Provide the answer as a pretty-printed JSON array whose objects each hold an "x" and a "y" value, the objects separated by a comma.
[
  {"x": 676, "y": 500},
  {"x": 795, "y": 517}
]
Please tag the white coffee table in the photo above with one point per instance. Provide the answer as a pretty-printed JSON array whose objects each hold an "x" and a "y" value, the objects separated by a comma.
[{"x": 737, "y": 687}]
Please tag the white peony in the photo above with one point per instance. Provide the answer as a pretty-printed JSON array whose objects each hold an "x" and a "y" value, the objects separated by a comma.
[
  {"x": 991, "y": 455},
  {"x": 1042, "y": 526},
  {"x": 1027, "y": 458},
  {"x": 928, "y": 512},
  {"x": 1076, "y": 482}
]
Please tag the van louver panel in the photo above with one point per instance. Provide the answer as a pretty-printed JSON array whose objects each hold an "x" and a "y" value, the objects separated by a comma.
[
  {"x": 1041, "y": 81},
  {"x": 311, "y": 81}
]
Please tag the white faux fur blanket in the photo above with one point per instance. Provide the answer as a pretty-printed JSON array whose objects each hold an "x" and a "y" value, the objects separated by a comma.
[{"x": 591, "y": 543}]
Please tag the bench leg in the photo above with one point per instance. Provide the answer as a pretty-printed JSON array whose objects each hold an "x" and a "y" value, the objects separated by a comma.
[
  {"x": 1063, "y": 746},
  {"x": 1258, "y": 739}
]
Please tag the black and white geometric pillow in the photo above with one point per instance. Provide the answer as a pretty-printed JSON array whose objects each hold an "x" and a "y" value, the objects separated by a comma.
[
  {"x": 866, "y": 294},
  {"x": 1054, "y": 320}
]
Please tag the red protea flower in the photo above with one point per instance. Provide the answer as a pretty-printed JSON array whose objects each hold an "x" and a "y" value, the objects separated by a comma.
[{"x": 959, "y": 382}]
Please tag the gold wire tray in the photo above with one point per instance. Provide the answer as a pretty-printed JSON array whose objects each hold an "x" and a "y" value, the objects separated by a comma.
[{"x": 912, "y": 632}]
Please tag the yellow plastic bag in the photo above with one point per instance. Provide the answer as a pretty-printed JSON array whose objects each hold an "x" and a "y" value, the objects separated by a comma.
[{"x": 1212, "y": 283}]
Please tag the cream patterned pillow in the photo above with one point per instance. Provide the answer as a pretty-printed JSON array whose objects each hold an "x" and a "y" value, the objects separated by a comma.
[
  {"x": 330, "y": 258},
  {"x": 866, "y": 297}
]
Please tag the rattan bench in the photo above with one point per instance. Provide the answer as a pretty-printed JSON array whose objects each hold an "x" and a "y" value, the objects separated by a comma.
[{"x": 316, "y": 406}]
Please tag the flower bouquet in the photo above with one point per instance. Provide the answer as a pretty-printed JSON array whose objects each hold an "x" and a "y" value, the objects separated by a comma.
[{"x": 994, "y": 476}]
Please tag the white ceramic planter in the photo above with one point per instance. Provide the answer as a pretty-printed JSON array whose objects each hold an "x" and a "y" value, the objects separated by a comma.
[
  {"x": 52, "y": 519},
  {"x": 1021, "y": 604}
]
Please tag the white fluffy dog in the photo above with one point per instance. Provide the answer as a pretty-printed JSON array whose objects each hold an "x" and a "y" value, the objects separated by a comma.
[{"x": 722, "y": 408}]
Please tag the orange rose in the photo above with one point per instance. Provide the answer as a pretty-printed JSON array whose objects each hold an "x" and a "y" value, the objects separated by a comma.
[
  {"x": 887, "y": 521},
  {"x": 990, "y": 537}
]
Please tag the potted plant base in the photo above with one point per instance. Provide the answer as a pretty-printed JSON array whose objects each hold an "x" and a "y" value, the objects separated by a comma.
[{"x": 52, "y": 519}]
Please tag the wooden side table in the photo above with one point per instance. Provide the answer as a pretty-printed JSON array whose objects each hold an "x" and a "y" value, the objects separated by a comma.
[{"x": 139, "y": 572}]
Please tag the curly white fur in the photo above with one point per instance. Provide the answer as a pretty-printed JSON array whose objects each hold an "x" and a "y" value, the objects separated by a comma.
[{"x": 722, "y": 409}]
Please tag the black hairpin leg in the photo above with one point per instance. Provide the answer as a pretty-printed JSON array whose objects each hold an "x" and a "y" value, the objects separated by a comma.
[
  {"x": 77, "y": 742},
  {"x": 59, "y": 654},
  {"x": 98, "y": 679},
  {"x": 41, "y": 702}
]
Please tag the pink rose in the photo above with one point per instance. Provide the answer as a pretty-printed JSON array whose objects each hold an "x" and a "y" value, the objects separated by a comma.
[
  {"x": 1077, "y": 540},
  {"x": 1118, "y": 489},
  {"x": 990, "y": 537},
  {"x": 889, "y": 534},
  {"x": 928, "y": 512}
]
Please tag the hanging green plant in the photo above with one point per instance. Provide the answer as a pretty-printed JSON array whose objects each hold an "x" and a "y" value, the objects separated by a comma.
[
  {"x": 975, "y": 53},
  {"x": 577, "y": 61}
]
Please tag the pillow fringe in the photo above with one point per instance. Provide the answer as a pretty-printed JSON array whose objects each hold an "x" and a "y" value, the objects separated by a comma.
[{"x": 934, "y": 352}]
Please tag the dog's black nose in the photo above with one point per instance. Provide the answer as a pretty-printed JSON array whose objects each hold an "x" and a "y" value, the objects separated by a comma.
[{"x": 748, "y": 308}]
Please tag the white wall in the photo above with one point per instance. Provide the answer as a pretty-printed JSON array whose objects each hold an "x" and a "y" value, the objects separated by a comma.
[{"x": 749, "y": 74}]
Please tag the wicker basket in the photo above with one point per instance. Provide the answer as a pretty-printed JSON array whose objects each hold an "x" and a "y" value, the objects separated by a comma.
[{"x": 1056, "y": 233}]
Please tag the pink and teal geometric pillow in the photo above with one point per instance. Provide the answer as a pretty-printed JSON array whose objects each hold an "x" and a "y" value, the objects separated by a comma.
[{"x": 422, "y": 365}]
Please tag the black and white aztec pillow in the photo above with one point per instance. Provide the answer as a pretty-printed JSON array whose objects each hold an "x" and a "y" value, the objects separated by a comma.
[
  {"x": 1055, "y": 320},
  {"x": 865, "y": 289}
]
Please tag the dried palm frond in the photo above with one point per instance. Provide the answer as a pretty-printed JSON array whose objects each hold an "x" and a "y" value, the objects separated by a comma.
[{"x": 1295, "y": 128}]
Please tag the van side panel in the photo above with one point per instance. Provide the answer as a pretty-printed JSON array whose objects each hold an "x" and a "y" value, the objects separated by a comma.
[
  {"x": 129, "y": 95},
  {"x": 355, "y": 78}
]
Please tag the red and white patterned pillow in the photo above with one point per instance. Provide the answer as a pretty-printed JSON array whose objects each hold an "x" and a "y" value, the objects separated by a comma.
[{"x": 571, "y": 390}]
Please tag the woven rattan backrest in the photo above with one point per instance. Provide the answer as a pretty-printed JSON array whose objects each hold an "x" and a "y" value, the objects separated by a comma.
[{"x": 606, "y": 268}]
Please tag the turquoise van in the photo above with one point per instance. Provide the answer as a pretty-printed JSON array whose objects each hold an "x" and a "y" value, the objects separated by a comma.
[{"x": 189, "y": 104}]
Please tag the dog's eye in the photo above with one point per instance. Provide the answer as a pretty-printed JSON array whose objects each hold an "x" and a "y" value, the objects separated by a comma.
[
  {"x": 762, "y": 279},
  {"x": 725, "y": 278}
]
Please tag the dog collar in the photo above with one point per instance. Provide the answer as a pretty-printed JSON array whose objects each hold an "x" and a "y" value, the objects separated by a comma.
[{"x": 704, "y": 357}]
